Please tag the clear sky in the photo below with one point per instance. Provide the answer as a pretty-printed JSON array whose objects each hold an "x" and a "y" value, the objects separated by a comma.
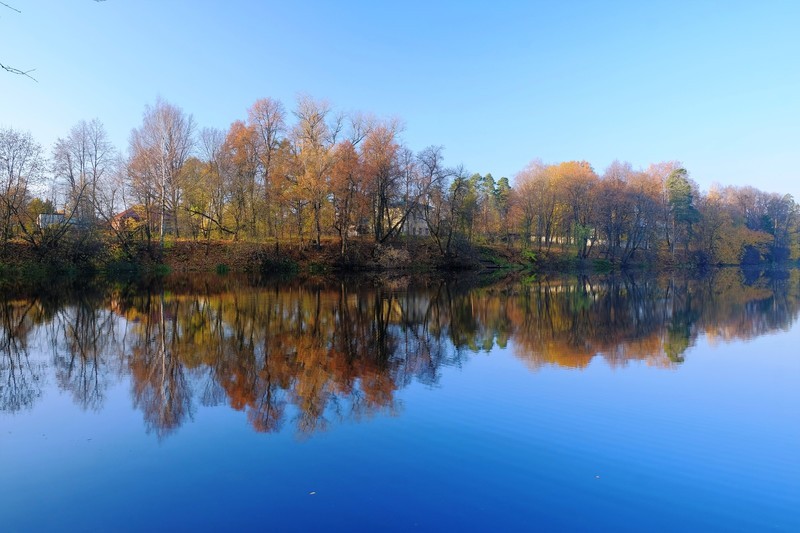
[{"x": 715, "y": 85}]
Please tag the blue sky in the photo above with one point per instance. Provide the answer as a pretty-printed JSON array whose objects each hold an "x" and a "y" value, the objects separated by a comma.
[{"x": 713, "y": 84}]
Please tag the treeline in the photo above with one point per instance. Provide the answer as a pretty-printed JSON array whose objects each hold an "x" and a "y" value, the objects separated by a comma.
[
  {"x": 314, "y": 174},
  {"x": 655, "y": 214}
]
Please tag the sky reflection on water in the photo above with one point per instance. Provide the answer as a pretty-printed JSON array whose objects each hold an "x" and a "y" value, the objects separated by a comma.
[{"x": 618, "y": 403}]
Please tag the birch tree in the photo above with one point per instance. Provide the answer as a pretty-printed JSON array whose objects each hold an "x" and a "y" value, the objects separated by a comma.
[{"x": 161, "y": 146}]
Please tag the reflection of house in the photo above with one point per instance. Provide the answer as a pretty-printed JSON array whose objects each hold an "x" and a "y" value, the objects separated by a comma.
[{"x": 46, "y": 220}]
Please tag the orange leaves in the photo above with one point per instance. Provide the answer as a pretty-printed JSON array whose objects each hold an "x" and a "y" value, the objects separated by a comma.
[{"x": 241, "y": 144}]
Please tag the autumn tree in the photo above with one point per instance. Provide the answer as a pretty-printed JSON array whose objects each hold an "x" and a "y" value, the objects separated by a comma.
[
  {"x": 781, "y": 222},
  {"x": 315, "y": 136},
  {"x": 81, "y": 162},
  {"x": 350, "y": 192},
  {"x": 240, "y": 149},
  {"x": 658, "y": 173},
  {"x": 641, "y": 228},
  {"x": 613, "y": 210},
  {"x": 347, "y": 191},
  {"x": 267, "y": 118},
  {"x": 143, "y": 190},
  {"x": 626, "y": 211},
  {"x": 21, "y": 165},
  {"x": 469, "y": 209},
  {"x": 380, "y": 152},
  {"x": 208, "y": 196},
  {"x": 448, "y": 198},
  {"x": 712, "y": 221},
  {"x": 538, "y": 204},
  {"x": 158, "y": 150},
  {"x": 578, "y": 190}
]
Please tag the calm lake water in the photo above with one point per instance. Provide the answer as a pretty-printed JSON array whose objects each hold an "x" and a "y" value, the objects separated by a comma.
[{"x": 209, "y": 403}]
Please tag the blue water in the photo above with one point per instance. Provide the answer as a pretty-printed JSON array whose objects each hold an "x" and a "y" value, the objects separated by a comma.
[{"x": 502, "y": 438}]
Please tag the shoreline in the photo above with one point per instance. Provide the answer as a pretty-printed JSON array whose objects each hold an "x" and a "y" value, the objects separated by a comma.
[{"x": 20, "y": 263}]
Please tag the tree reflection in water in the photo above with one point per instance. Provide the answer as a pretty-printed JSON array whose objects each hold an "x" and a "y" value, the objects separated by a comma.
[
  {"x": 81, "y": 336},
  {"x": 20, "y": 377},
  {"x": 310, "y": 353}
]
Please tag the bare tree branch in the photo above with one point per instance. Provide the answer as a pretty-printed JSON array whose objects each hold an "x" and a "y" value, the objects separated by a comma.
[
  {"x": 12, "y": 8},
  {"x": 13, "y": 70}
]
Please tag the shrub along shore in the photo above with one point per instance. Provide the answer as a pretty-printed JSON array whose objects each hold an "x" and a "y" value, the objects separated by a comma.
[{"x": 21, "y": 260}]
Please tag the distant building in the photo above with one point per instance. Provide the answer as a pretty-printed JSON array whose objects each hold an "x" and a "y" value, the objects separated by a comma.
[
  {"x": 127, "y": 218},
  {"x": 47, "y": 220},
  {"x": 414, "y": 224}
]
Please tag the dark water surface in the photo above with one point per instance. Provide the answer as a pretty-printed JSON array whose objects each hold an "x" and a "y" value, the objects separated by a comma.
[{"x": 580, "y": 404}]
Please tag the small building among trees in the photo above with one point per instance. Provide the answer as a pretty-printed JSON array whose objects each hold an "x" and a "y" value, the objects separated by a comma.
[
  {"x": 47, "y": 220},
  {"x": 126, "y": 219}
]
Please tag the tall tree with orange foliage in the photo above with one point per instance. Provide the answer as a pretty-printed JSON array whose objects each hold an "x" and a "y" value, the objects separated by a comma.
[
  {"x": 379, "y": 153},
  {"x": 347, "y": 191},
  {"x": 314, "y": 139},
  {"x": 241, "y": 150},
  {"x": 578, "y": 190}
]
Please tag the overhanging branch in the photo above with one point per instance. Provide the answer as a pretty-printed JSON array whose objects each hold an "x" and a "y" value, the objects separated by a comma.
[{"x": 12, "y": 70}]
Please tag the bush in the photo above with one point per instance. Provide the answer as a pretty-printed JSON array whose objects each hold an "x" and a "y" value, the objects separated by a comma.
[
  {"x": 161, "y": 269},
  {"x": 271, "y": 266},
  {"x": 530, "y": 256},
  {"x": 602, "y": 265},
  {"x": 389, "y": 257}
]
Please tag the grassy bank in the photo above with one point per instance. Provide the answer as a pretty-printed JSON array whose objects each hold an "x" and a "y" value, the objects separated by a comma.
[{"x": 20, "y": 262}]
